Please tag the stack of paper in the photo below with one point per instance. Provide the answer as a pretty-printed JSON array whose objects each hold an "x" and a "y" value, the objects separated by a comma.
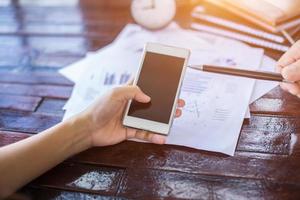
[{"x": 215, "y": 104}]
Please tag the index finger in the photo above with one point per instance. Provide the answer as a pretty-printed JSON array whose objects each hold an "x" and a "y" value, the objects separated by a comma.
[
  {"x": 291, "y": 56},
  {"x": 180, "y": 103}
]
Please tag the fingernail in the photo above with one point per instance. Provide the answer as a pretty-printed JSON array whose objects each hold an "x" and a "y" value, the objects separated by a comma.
[{"x": 147, "y": 98}]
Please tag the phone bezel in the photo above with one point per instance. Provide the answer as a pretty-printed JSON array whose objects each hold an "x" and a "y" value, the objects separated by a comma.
[{"x": 148, "y": 125}]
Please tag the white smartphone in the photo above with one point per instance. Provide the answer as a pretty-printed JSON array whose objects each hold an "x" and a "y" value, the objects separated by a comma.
[{"x": 160, "y": 76}]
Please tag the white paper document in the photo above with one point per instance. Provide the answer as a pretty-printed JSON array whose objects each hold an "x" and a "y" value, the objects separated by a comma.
[
  {"x": 215, "y": 104},
  {"x": 102, "y": 73}
]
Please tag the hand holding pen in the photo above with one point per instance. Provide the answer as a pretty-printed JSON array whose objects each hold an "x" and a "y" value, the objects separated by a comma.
[{"x": 288, "y": 67}]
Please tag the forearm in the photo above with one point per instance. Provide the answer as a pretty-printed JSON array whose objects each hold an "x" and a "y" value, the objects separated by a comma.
[{"x": 25, "y": 160}]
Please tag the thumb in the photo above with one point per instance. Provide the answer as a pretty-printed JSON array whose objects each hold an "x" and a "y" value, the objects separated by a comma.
[
  {"x": 292, "y": 72},
  {"x": 126, "y": 93}
]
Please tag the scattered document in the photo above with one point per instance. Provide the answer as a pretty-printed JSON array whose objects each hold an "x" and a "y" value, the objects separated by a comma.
[
  {"x": 215, "y": 104},
  {"x": 102, "y": 73}
]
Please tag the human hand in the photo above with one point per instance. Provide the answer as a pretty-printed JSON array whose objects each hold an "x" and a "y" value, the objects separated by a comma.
[
  {"x": 104, "y": 118},
  {"x": 289, "y": 66}
]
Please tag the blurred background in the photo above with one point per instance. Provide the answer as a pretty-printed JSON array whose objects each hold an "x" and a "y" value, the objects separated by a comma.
[
  {"x": 43, "y": 35},
  {"x": 39, "y": 35}
]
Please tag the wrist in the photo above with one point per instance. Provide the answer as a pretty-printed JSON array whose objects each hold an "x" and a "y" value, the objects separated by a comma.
[{"x": 80, "y": 135}]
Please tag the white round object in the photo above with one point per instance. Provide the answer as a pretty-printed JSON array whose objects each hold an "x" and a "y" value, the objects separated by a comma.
[{"x": 153, "y": 14}]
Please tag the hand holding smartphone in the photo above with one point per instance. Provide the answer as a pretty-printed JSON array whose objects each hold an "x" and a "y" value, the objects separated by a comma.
[{"x": 160, "y": 76}]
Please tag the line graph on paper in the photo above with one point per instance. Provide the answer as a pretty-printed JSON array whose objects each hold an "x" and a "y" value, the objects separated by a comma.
[
  {"x": 192, "y": 91},
  {"x": 193, "y": 107},
  {"x": 205, "y": 98}
]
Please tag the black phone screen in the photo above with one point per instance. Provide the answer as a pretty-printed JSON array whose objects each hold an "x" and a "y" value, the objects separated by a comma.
[{"x": 159, "y": 78}]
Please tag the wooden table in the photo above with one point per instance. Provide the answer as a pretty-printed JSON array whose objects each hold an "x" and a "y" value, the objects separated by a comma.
[{"x": 35, "y": 41}]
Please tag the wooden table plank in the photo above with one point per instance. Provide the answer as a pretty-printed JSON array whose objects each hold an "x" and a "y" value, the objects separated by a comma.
[
  {"x": 277, "y": 102},
  {"x": 11, "y": 52},
  {"x": 8, "y": 137},
  {"x": 159, "y": 184},
  {"x": 34, "y": 78},
  {"x": 63, "y": 14},
  {"x": 62, "y": 92},
  {"x": 58, "y": 45},
  {"x": 52, "y": 106},
  {"x": 82, "y": 178},
  {"x": 22, "y": 103},
  {"x": 45, "y": 62},
  {"x": 91, "y": 28},
  {"x": 47, "y": 51},
  {"x": 264, "y": 142},
  {"x": 26, "y": 121},
  {"x": 50, "y": 194}
]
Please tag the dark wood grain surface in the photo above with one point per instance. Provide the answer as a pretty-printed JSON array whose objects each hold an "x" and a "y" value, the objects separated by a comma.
[{"x": 37, "y": 40}]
